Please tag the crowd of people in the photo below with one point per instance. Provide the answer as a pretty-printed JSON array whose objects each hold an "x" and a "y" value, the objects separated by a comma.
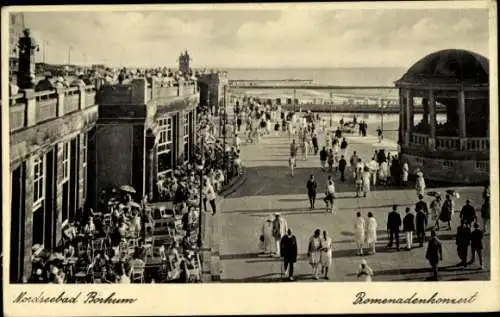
[{"x": 424, "y": 220}]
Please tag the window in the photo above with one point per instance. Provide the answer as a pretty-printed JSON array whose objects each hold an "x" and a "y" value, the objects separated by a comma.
[
  {"x": 65, "y": 162},
  {"x": 38, "y": 181},
  {"x": 165, "y": 145},
  {"x": 448, "y": 164}
]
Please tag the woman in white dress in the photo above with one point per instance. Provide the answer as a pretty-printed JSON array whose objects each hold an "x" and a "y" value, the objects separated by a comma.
[
  {"x": 326, "y": 253},
  {"x": 371, "y": 233},
  {"x": 314, "y": 252},
  {"x": 366, "y": 181},
  {"x": 383, "y": 172},
  {"x": 359, "y": 233},
  {"x": 365, "y": 272},
  {"x": 406, "y": 170},
  {"x": 420, "y": 183},
  {"x": 267, "y": 236}
]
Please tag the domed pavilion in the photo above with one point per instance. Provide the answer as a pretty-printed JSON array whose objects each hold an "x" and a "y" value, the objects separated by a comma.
[{"x": 450, "y": 141}]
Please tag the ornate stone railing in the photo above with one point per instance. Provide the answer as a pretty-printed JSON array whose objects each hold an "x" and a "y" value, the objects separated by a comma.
[
  {"x": 447, "y": 143},
  {"x": 30, "y": 108},
  {"x": 477, "y": 144},
  {"x": 419, "y": 139}
]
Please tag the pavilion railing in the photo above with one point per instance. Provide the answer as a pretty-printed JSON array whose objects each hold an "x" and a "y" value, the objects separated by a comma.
[
  {"x": 419, "y": 139},
  {"x": 477, "y": 144},
  {"x": 447, "y": 143}
]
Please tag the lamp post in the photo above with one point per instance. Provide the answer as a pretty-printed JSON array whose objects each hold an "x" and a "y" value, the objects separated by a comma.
[
  {"x": 331, "y": 109},
  {"x": 200, "y": 168},
  {"x": 293, "y": 101}
]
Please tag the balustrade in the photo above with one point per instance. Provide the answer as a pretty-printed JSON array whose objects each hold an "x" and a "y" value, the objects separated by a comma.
[
  {"x": 448, "y": 143},
  {"x": 419, "y": 139},
  {"x": 71, "y": 100},
  {"x": 477, "y": 144},
  {"x": 30, "y": 108}
]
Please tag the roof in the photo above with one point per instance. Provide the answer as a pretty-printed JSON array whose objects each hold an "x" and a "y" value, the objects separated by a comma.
[{"x": 451, "y": 67}]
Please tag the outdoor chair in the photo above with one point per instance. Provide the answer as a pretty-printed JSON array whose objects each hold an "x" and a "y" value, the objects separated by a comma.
[
  {"x": 98, "y": 245},
  {"x": 137, "y": 271}
]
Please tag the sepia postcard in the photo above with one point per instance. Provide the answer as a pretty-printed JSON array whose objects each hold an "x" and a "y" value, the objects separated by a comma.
[{"x": 202, "y": 159}]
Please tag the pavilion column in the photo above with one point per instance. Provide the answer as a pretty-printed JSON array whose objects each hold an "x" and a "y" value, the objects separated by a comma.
[
  {"x": 461, "y": 114},
  {"x": 432, "y": 120},
  {"x": 408, "y": 115},
  {"x": 402, "y": 126}
]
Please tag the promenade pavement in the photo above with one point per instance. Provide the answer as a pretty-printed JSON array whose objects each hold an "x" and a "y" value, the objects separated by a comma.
[{"x": 270, "y": 188}]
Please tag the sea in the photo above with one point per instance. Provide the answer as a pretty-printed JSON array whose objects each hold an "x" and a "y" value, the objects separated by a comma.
[
  {"x": 361, "y": 76},
  {"x": 382, "y": 76}
]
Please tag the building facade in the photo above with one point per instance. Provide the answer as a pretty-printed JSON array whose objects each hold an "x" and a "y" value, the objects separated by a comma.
[
  {"x": 16, "y": 27},
  {"x": 184, "y": 60},
  {"x": 211, "y": 86},
  {"x": 49, "y": 133},
  {"x": 142, "y": 132},
  {"x": 454, "y": 148}
]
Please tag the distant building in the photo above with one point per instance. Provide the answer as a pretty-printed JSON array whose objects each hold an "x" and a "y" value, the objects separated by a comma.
[{"x": 184, "y": 60}]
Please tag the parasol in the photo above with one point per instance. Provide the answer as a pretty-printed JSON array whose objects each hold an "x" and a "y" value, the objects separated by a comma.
[
  {"x": 453, "y": 193},
  {"x": 128, "y": 189}
]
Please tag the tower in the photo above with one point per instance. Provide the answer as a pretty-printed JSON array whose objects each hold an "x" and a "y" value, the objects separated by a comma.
[
  {"x": 26, "y": 70},
  {"x": 16, "y": 27},
  {"x": 184, "y": 60}
]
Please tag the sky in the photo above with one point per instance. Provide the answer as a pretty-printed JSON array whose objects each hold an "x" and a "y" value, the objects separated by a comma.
[{"x": 222, "y": 38}]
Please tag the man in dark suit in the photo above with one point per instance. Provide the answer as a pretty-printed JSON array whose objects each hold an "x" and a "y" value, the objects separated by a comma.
[
  {"x": 289, "y": 252},
  {"x": 468, "y": 214},
  {"x": 434, "y": 254},
  {"x": 421, "y": 204},
  {"x": 409, "y": 228},
  {"x": 342, "y": 166},
  {"x": 476, "y": 244},
  {"x": 311, "y": 190},
  {"x": 420, "y": 226},
  {"x": 463, "y": 240},
  {"x": 393, "y": 225}
]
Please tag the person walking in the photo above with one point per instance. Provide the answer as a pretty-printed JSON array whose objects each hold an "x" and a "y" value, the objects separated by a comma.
[
  {"x": 393, "y": 225},
  {"x": 435, "y": 208},
  {"x": 405, "y": 171},
  {"x": 409, "y": 228},
  {"x": 373, "y": 166},
  {"x": 468, "y": 215},
  {"x": 311, "y": 190},
  {"x": 326, "y": 254},
  {"x": 329, "y": 195},
  {"x": 476, "y": 244},
  {"x": 323, "y": 155},
  {"x": 421, "y": 204},
  {"x": 342, "y": 166},
  {"x": 209, "y": 194},
  {"x": 266, "y": 236},
  {"x": 359, "y": 233},
  {"x": 343, "y": 147},
  {"x": 330, "y": 160},
  {"x": 462, "y": 241},
  {"x": 420, "y": 186},
  {"x": 485, "y": 214},
  {"x": 314, "y": 140},
  {"x": 314, "y": 252},
  {"x": 371, "y": 233},
  {"x": 366, "y": 181},
  {"x": 420, "y": 226},
  {"x": 365, "y": 272},
  {"x": 289, "y": 252},
  {"x": 434, "y": 254},
  {"x": 447, "y": 211},
  {"x": 280, "y": 228},
  {"x": 354, "y": 162}
]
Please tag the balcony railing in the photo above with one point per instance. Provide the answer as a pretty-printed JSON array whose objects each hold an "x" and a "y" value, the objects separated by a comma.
[
  {"x": 71, "y": 100},
  {"x": 419, "y": 139},
  {"x": 447, "y": 143},
  {"x": 444, "y": 143},
  {"x": 477, "y": 144},
  {"x": 30, "y": 108}
]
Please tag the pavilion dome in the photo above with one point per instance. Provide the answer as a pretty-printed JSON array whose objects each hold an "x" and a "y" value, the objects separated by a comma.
[{"x": 451, "y": 66}]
